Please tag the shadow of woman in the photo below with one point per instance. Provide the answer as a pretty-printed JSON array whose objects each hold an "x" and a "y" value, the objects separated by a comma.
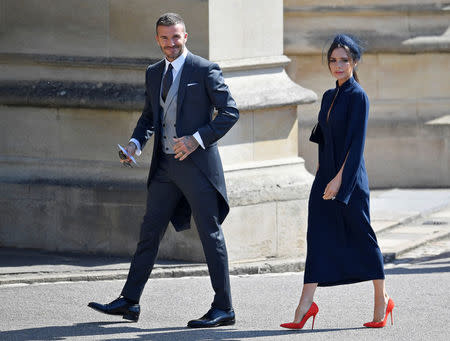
[{"x": 225, "y": 334}]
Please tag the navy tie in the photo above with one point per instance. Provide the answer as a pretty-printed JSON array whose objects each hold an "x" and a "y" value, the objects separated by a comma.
[{"x": 167, "y": 82}]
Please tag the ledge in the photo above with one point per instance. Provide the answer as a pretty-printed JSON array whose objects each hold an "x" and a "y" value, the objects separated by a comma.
[
  {"x": 253, "y": 63},
  {"x": 76, "y": 61},
  {"x": 263, "y": 164},
  {"x": 388, "y": 9},
  {"x": 71, "y": 173},
  {"x": 132, "y": 63},
  {"x": 406, "y": 36},
  {"x": 251, "y": 89},
  {"x": 443, "y": 120},
  {"x": 248, "y": 184},
  {"x": 429, "y": 43},
  {"x": 397, "y": 42},
  {"x": 72, "y": 94}
]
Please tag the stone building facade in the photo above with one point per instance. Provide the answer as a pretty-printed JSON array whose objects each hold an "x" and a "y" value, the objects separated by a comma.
[
  {"x": 404, "y": 72},
  {"x": 71, "y": 89}
]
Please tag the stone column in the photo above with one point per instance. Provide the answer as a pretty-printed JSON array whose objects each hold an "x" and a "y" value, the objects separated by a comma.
[
  {"x": 267, "y": 183},
  {"x": 77, "y": 91}
]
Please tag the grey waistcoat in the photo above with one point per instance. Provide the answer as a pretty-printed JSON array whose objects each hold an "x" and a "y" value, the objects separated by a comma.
[{"x": 169, "y": 115}]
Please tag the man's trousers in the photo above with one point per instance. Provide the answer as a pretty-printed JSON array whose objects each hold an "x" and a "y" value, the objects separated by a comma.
[{"x": 173, "y": 179}]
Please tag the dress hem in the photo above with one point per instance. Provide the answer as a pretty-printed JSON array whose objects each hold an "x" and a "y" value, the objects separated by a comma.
[{"x": 344, "y": 282}]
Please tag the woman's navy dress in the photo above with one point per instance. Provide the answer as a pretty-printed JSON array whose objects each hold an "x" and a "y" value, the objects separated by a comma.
[{"x": 341, "y": 245}]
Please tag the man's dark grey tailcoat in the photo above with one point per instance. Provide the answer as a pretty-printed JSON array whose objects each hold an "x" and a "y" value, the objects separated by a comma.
[{"x": 201, "y": 89}]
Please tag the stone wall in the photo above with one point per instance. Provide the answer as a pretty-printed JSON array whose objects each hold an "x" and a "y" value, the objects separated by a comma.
[
  {"x": 72, "y": 87},
  {"x": 407, "y": 54}
]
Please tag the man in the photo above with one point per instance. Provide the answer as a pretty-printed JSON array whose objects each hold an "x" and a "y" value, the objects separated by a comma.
[{"x": 186, "y": 175}]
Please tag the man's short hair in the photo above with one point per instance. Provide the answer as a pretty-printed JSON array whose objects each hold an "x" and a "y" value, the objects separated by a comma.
[{"x": 169, "y": 19}]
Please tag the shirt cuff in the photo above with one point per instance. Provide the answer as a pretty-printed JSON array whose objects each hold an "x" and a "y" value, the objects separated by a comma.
[
  {"x": 138, "y": 145},
  {"x": 199, "y": 139}
]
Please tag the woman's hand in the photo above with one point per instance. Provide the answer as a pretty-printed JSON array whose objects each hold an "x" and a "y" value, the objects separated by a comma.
[{"x": 332, "y": 188}]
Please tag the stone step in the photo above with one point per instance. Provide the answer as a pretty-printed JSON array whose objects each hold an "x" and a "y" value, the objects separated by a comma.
[
  {"x": 408, "y": 236},
  {"x": 403, "y": 219},
  {"x": 392, "y": 208},
  {"x": 162, "y": 270}
]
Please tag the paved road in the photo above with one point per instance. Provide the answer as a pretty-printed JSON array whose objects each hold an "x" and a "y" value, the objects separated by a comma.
[{"x": 419, "y": 283}]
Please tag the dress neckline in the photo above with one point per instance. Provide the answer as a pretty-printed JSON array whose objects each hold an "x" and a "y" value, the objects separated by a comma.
[{"x": 349, "y": 82}]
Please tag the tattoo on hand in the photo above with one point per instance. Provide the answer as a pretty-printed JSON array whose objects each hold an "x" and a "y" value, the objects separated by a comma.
[
  {"x": 184, "y": 146},
  {"x": 190, "y": 142},
  {"x": 131, "y": 148}
]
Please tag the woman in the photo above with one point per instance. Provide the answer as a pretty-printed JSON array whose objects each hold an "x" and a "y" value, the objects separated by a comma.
[{"x": 341, "y": 245}]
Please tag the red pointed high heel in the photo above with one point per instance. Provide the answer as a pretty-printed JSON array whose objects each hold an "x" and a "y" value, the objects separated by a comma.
[
  {"x": 381, "y": 324},
  {"x": 312, "y": 311}
]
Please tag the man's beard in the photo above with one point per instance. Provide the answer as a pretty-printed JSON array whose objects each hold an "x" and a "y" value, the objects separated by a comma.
[{"x": 176, "y": 54}]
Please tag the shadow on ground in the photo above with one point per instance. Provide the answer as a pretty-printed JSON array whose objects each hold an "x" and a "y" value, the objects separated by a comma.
[
  {"x": 428, "y": 264},
  {"x": 98, "y": 329}
]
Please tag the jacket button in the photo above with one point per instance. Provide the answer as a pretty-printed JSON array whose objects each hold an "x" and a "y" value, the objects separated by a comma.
[
  {"x": 164, "y": 125},
  {"x": 165, "y": 137}
]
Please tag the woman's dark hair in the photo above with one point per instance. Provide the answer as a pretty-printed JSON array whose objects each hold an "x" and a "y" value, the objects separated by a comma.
[
  {"x": 169, "y": 19},
  {"x": 351, "y": 45}
]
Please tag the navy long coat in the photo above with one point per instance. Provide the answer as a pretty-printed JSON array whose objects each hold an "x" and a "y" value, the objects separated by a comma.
[{"x": 341, "y": 245}]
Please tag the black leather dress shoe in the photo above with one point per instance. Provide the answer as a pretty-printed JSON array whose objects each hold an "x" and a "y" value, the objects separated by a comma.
[
  {"x": 214, "y": 318},
  {"x": 120, "y": 306}
]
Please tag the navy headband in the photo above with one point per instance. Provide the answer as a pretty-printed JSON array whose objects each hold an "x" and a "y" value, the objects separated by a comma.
[{"x": 345, "y": 40}]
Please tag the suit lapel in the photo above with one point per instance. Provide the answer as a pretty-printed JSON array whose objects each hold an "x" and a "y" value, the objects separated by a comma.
[{"x": 185, "y": 76}]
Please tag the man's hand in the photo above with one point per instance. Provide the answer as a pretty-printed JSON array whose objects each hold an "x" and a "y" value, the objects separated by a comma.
[
  {"x": 184, "y": 146},
  {"x": 131, "y": 148},
  {"x": 126, "y": 159}
]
